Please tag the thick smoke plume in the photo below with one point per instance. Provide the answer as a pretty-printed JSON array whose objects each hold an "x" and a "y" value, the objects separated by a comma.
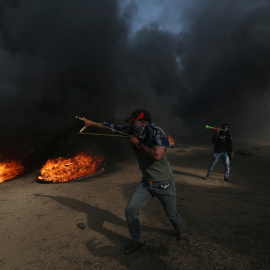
[{"x": 66, "y": 58}]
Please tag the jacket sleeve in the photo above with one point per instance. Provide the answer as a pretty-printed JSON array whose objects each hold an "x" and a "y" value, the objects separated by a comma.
[
  {"x": 229, "y": 143},
  {"x": 116, "y": 128},
  {"x": 215, "y": 138}
]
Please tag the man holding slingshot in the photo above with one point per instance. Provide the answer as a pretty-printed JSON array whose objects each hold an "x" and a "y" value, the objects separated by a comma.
[{"x": 149, "y": 143}]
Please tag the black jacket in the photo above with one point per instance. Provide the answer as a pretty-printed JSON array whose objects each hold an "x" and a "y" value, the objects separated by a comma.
[{"x": 223, "y": 142}]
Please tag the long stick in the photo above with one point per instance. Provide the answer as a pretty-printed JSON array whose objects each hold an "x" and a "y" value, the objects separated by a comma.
[
  {"x": 113, "y": 135},
  {"x": 80, "y": 132}
]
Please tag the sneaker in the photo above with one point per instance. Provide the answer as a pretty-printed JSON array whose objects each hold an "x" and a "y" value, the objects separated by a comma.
[
  {"x": 182, "y": 238},
  {"x": 227, "y": 179},
  {"x": 206, "y": 177}
]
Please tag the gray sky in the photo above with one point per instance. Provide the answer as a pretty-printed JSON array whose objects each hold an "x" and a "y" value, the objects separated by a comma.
[
  {"x": 168, "y": 14},
  {"x": 190, "y": 63}
]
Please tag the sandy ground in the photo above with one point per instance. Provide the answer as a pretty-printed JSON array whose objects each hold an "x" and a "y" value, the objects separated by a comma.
[{"x": 228, "y": 223}]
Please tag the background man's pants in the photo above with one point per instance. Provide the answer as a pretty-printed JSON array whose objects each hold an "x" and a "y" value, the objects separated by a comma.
[{"x": 226, "y": 161}]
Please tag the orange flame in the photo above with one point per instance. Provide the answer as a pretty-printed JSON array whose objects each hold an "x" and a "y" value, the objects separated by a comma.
[
  {"x": 62, "y": 170},
  {"x": 10, "y": 169},
  {"x": 171, "y": 140}
]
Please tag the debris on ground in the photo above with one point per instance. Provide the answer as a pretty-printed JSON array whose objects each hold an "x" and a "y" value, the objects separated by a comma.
[{"x": 243, "y": 153}]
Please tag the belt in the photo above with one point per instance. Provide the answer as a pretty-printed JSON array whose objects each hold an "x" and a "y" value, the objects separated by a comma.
[{"x": 150, "y": 183}]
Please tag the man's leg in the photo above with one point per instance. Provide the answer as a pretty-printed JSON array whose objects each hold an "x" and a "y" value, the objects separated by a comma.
[
  {"x": 138, "y": 200},
  {"x": 216, "y": 157},
  {"x": 167, "y": 197},
  {"x": 226, "y": 161}
]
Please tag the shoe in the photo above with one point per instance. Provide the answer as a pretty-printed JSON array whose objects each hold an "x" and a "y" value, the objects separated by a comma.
[
  {"x": 182, "y": 238},
  {"x": 134, "y": 246},
  {"x": 227, "y": 179},
  {"x": 206, "y": 177}
]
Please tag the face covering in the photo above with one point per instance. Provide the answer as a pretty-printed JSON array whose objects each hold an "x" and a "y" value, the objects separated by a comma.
[
  {"x": 150, "y": 135},
  {"x": 138, "y": 131}
]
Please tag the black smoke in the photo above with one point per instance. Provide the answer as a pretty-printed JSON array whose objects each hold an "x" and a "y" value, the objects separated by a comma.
[
  {"x": 62, "y": 58},
  {"x": 225, "y": 54}
]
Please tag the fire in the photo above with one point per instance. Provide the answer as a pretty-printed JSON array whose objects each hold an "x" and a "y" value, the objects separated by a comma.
[
  {"x": 171, "y": 140},
  {"x": 10, "y": 169},
  {"x": 64, "y": 169}
]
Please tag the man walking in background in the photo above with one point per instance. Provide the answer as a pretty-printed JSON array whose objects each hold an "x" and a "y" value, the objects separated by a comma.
[{"x": 223, "y": 149}]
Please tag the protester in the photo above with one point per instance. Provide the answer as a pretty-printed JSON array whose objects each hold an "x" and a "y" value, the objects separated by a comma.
[
  {"x": 223, "y": 149},
  {"x": 149, "y": 143}
]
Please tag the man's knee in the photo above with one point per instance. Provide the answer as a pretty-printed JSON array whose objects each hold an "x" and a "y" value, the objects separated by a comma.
[
  {"x": 172, "y": 214},
  {"x": 131, "y": 211}
]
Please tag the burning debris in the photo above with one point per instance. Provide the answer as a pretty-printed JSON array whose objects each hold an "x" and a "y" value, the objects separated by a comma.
[
  {"x": 171, "y": 140},
  {"x": 65, "y": 169},
  {"x": 9, "y": 169}
]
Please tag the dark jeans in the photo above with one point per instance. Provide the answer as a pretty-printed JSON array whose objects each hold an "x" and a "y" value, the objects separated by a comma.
[{"x": 165, "y": 192}]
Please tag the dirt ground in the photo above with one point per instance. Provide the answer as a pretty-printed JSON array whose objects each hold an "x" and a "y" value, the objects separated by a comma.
[{"x": 228, "y": 223}]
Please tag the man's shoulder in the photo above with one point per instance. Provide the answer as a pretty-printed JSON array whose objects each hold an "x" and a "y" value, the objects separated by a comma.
[{"x": 158, "y": 129}]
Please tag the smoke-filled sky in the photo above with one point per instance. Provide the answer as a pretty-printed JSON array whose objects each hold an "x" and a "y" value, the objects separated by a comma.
[{"x": 189, "y": 62}]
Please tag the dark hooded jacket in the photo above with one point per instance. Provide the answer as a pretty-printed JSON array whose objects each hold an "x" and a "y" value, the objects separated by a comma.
[{"x": 223, "y": 142}]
